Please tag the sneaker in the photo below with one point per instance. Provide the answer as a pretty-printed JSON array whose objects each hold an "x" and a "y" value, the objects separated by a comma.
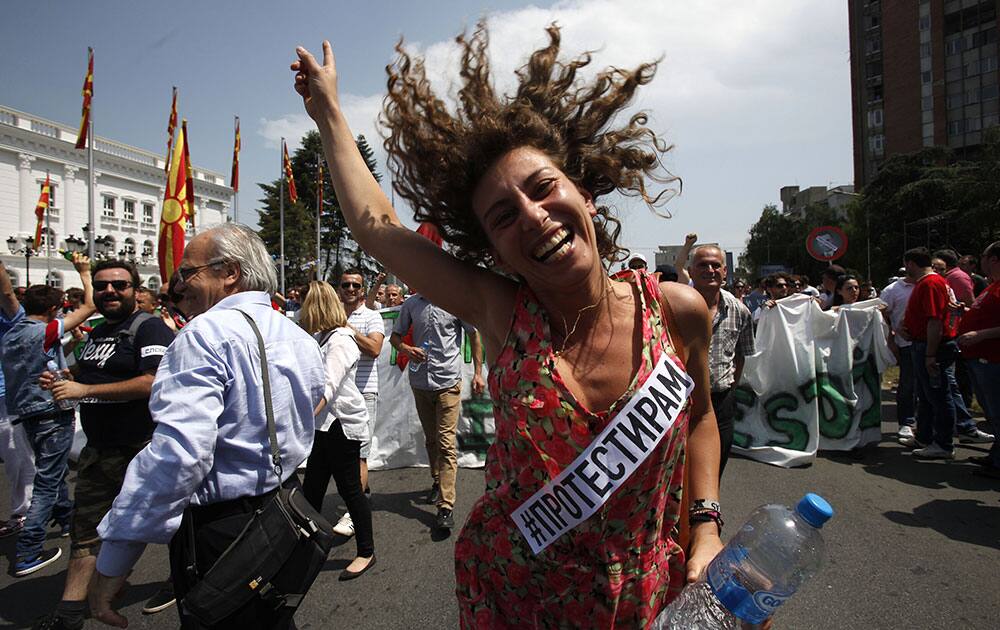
[
  {"x": 55, "y": 622},
  {"x": 933, "y": 451},
  {"x": 27, "y": 566},
  {"x": 445, "y": 519},
  {"x": 345, "y": 526},
  {"x": 63, "y": 528},
  {"x": 163, "y": 599},
  {"x": 905, "y": 431},
  {"x": 11, "y": 527},
  {"x": 975, "y": 436},
  {"x": 911, "y": 442},
  {"x": 434, "y": 495}
]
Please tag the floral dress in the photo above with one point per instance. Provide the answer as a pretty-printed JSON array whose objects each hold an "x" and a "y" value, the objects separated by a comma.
[{"x": 618, "y": 568}]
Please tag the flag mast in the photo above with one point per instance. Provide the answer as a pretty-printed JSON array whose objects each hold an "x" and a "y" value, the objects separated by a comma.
[
  {"x": 319, "y": 210},
  {"x": 48, "y": 232},
  {"x": 281, "y": 217}
]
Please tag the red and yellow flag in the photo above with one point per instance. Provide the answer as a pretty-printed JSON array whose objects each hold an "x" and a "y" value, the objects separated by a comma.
[
  {"x": 292, "y": 195},
  {"x": 173, "y": 218},
  {"x": 188, "y": 174},
  {"x": 171, "y": 125},
  {"x": 88, "y": 94},
  {"x": 234, "y": 179},
  {"x": 40, "y": 210}
]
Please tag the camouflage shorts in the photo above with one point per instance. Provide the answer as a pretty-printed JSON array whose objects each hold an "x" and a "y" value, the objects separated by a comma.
[{"x": 99, "y": 477}]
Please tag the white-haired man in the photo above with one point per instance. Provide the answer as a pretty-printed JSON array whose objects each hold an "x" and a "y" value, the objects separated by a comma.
[
  {"x": 732, "y": 338},
  {"x": 207, "y": 463}
]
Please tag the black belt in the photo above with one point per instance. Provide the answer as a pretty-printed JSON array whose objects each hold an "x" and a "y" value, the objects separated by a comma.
[
  {"x": 203, "y": 514},
  {"x": 53, "y": 414}
]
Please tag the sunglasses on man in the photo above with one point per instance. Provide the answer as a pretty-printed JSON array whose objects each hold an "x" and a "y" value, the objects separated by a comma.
[
  {"x": 350, "y": 285},
  {"x": 117, "y": 285}
]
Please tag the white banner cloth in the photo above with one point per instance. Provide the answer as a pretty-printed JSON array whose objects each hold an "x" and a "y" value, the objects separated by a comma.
[{"x": 814, "y": 382}]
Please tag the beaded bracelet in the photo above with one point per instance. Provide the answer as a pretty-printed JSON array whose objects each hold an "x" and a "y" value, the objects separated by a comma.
[{"x": 705, "y": 515}]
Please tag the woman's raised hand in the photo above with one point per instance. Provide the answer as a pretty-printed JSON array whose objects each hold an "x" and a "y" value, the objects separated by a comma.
[{"x": 315, "y": 83}]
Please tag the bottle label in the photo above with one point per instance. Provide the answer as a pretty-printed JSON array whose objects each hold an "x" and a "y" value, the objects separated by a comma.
[
  {"x": 767, "y": 601},
  {"x": 752, "y": 607}
]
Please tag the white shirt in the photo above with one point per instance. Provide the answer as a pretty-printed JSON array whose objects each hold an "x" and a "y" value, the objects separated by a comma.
[
  {"x": 897, "y": 296},
  {"x": 344, "y": 401},
  {"x": 210, "y": 443},
  {"x": 366, "y": 321}
]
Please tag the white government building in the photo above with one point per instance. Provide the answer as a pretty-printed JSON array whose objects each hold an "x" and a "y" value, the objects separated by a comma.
[{"x": 128, "y": 194}]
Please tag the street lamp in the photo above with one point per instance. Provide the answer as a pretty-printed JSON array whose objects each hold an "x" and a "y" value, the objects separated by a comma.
[
  {"x": 75, "y": 245},
  {"x": 19, "y": 245}
]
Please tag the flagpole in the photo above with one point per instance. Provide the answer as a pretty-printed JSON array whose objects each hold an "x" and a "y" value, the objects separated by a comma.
[
  {"x": 48, "y": 231},
  {"x": 91, "y": 179},
  {"x": 281, "y": 215},
  {"x": 236, "y": 193},
  {"x": 319, "y": 209}
]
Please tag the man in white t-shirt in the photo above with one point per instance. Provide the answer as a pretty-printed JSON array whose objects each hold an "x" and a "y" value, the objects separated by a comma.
[
  {"x": 897, "y": 296},
  {"x": 369, "y": 333}
]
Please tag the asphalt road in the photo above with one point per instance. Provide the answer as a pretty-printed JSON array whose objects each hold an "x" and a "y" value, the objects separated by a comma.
[{"x": 914, "y": 545}]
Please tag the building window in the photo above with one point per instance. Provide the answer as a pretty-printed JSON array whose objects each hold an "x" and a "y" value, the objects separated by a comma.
[
  {"x": 109, "y": 207},
  {"x": 52, "y": 193},
  {"x": 47, "y": 234},
  {"x": 873, "y": 45},
  {"x": 147, "y": 249},
  {"x": 875, "y": 118},
  {"x": 54, "y": 279},
  {"x": 925, "y": 22},
  {"x": 925, "y": 49},
  {"x": 926, "y": 103},
  {"x": 877, "y": 143},
  {"x": 925, "y": 77},
  {"x": 988, "y": 64},
  {"x": 991, "y": 121},
  {"x": 954, "y": 101},
  {"x": 147, "y": 213},
  {"x": 128, "y": 249},
  {"x": 153, "y": 284},
  {"x": 128, "y": 210},
  {"x": 875, "y": 94},
  {"x": 982, "y": 38},
  {"x": 973, "y": 124},
  {"x": 952, "y": 47},
  {"x": 989, "y": 92},
  {"x": 955, "y": 127}
]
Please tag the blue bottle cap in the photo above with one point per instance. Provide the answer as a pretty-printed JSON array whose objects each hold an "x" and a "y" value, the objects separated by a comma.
[{"x": 814, "y": 509}]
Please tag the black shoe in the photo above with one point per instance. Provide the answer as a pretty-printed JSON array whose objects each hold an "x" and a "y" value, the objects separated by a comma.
[
  {"x": 445, "y": 519},
  {"x": 55, "y": 622},
  {"x": 163, "y": 599},
  {"x": 346, "y": 575},
  {"x": 434, "y": 495}
]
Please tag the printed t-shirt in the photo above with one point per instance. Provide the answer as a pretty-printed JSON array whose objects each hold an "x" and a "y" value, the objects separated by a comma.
[
  {"x": 110, "y": 357},
  {"x": 985, "y": 313},
  {"x": 928, "y": 301}
]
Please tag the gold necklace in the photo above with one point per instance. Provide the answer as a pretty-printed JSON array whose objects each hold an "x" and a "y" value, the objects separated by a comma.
[{"x": 558, "y": 353}]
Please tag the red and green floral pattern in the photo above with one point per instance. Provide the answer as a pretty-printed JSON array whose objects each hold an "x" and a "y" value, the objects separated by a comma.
[{"x": 617, "y": 569}]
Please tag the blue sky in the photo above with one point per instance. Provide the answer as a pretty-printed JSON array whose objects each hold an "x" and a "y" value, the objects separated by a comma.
[{"x": 754, "y": 94}]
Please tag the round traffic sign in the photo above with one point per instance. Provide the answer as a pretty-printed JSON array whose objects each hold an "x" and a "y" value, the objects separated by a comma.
[{"x": 827, "y": 243}]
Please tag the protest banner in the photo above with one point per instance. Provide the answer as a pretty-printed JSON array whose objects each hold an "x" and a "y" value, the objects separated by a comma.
[{"x": 814, "y": 383}]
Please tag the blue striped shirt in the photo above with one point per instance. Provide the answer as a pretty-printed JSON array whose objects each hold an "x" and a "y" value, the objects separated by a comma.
[{"x": 210, "y": 442}]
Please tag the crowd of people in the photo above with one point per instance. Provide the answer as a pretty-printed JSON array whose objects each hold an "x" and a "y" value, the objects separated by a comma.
[{"x": 173, "y": 389}]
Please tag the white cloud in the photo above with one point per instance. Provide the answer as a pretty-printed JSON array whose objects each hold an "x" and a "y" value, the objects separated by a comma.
[{"x": 755, "y": 94}]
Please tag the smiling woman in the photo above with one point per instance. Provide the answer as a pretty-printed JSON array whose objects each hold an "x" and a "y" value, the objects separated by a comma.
[{"x": 600, "y": 388}]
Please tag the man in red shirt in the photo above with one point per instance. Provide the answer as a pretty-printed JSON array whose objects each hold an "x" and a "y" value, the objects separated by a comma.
[
  {"x": 979, "y": 337},
  {"x": 930, "y": 323}
]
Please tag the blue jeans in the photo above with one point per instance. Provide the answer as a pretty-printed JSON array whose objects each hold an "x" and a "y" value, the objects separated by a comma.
[
  {"x": 935, "y": 402},
  {"x": 51, "y": 440},
  {"x": 906, "y": 396},
  {"x": 986, "y": 384},
  {"x": 964, "y": 422}
]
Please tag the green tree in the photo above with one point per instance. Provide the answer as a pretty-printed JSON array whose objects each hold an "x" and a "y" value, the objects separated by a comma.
[
  {"x": 780, "y": 239},
  {"x": 337, "y": 247}
]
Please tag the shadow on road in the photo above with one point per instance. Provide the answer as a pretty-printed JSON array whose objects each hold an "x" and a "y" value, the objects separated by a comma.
[
  {"x": 963, "y": 520},
  {"x": 27, "y": 599}
]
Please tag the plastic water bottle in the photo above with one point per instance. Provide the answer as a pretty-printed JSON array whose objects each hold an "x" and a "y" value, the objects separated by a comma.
[
  {"x": 775, "y": 551},
  {"x": 65, "y": 404},
  {"x": 426, "y": 347}
]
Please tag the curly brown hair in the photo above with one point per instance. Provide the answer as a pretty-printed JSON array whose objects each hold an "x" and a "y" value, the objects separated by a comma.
[{"x": 438, "y": 158}]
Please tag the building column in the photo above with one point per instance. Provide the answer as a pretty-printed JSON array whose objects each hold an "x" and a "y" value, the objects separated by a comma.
[
  {"x": 70, "y": 222},
  {"x": 27, "y": 194}
]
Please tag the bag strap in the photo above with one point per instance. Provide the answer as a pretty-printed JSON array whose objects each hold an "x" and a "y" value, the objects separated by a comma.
[
  {"x": 141, "y": 318},
  {"x": 272, "y": 432}
]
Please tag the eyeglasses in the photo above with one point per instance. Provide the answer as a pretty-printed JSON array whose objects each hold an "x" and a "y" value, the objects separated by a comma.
[
  {"x": 117, "y": 285},
  {"x": 350, "y": 285},
  {"x": 186, "y": 273}
]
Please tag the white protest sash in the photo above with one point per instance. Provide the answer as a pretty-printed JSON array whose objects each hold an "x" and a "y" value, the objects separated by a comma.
[{"x": 587, "y": 483}]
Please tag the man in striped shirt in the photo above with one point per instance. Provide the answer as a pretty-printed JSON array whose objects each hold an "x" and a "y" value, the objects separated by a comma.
[
  {"x": 369, "y": 333},
  {"x": 732, "y": 338}
]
